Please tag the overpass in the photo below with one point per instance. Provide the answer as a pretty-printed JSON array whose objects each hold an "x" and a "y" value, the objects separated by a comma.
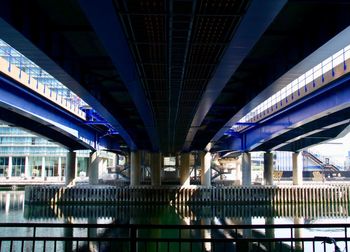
[{"x": 173, "y": 76}]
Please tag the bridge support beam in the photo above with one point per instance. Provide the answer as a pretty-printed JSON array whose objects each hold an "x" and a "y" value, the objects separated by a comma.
[
  {"x": 70, "y": 167},
  {"x": 246, "y": 169},
  {"x": 185, "y": 169},
  {"x": 135, "y": 168},
  {"x": 297, "y": 159},
  {"x": 156, "y": 165},
  {"x": 9, "y": 169},
  {"x": 268, "y": 168},
  {"x": 43, "y": 165},
  {"x": 94, "y": 166},
  {"x": 205, "y": 168}
]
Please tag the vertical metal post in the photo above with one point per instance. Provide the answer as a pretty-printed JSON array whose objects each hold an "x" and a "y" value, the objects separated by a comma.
[{"x": 133, "y": 237}]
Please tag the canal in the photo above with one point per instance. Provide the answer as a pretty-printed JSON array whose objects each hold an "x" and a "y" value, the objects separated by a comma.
[{"x": 13, "y": 209}]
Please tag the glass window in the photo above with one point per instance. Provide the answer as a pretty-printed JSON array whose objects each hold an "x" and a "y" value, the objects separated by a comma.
[
  {"x": 34, "y": 166},
  {"x": 82, "y": 163},
  {"x": 4, "y": 162},
  {"x": 51, "y": 166},
  {"x": 18, "y": 166}
]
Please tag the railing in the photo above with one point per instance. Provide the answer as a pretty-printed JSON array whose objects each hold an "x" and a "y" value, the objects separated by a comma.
[
  {"x": 30, "y": 75},
  {"x": 166, "y": 238},
  {"x": 322, "y": 74}
]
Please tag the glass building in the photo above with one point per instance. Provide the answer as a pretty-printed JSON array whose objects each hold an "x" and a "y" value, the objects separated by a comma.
[{"x": 28, "y": 156}]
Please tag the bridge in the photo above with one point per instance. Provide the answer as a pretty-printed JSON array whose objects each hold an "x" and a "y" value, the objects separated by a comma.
[{"x": 171, "y": 77}]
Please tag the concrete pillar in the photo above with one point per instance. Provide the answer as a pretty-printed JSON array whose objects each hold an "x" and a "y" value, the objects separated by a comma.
[
  {"x": 135, "y": 168},
  {"x": 70, "y": 167},
  {"x": 156, "y": 164},
  {"x": 177, "y": 165},
  {"x": 246, "y": 169},
  {"x": 116, "y": 161},
  {"x": 268, "y": 168},
  {"x": 59, "y": 168},
  {"x": 43, "y": 166},
  {"x": 26, "y": 167},
  {"x": 297, "y": 159},
  {"x": 205, "y": 159},
  {"x": 94, "y": 166},
  {"x": 9, "y": 170},
  {"x": 185, "y": 169}
]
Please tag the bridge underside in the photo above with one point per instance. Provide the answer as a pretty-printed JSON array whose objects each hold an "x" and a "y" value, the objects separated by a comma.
[
  {"x": 320, "y": 116},
  {"x": 21, "y": 107}
]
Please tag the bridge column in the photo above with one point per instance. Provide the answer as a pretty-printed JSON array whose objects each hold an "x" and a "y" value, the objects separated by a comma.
[
  {"x": 135, "y": 168},
  {"x": 9, "y": 169},
  {"x": 43, "y": 166},
  {"x": 26, "y": 167},
  {"x": 185, "y": 169},
  {"x": 94, "y": 166},
  {"x": 268, "y": 168},
  {"x": 156, "y": 164},
  {"x": 70, "y": 167},
  {"x": 59, "y": 168},
  {"x": 205, "y": 168},
  {"x": 246, "y": 169},
  {"x": 297, "y": 159}
]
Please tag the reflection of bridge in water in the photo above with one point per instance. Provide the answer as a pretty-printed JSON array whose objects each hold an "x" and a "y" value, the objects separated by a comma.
[{"x": 193, "y": 212}]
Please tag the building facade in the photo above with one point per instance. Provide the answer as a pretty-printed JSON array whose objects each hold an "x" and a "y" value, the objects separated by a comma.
[{"x": 28, "y": 156}]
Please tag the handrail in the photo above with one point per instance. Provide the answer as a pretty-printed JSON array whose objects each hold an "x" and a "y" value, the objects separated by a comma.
[
  {"x": 217, "y": 237},
  {"x": 322, "y": 74}
]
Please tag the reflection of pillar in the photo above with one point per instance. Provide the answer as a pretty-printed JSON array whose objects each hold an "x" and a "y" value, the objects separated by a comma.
[
  {"x": 135, "y": 168},
  {"x": 298, "y": 233},
  {"x": 43, "y": 166},
  {"x": 156, "y": 168},
  {"x": 68, "y": 232},
  {"x": 94, "y": 166},
  {"x": 92, "y": 233},
  {"x": 205, "y": 159},
  {"x": 70, "y": 167},
  {"x": 26, "y": 167},
  {"x": 268, "y": 168},
  {"x": 270, "y": 232},
  {"x": 7, "y": 203},
  {"x": 246, "y": 169},
  {"x": 206, "y": 234},
  {"x": 185, "y": 169},
  {"x": 246, "y": 233},
  {"x": 297, "y": 158},
  {"x": 9, "y": 171}
]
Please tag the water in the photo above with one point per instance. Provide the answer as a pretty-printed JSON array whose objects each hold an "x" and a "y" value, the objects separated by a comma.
[{"x": 13, "y": 209}]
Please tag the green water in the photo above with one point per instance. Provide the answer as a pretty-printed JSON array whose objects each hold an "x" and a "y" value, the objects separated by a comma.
[{"x": 13, "y": 209}]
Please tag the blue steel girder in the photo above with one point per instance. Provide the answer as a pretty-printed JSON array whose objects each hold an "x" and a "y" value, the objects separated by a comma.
[
  {"x": 332, "y": 102},
  {"x": 102, "y": 18},
  {"x": 70, "y": 80},
  {"x": 40, "y": 111},
  {"x": 320, "y": 126},
  {"x": 252, "y": 26},
  {"x": 315, "y": 138}
]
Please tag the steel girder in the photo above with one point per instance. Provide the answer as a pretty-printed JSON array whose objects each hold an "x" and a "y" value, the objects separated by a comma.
[{"x": 39, "y": 115}]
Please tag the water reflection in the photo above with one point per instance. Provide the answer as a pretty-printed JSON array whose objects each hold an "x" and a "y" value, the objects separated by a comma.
[{"x": 13, "y": 209}]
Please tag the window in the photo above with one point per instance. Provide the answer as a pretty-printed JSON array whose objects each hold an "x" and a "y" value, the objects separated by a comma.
[{"x": 18, "y": 166}]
